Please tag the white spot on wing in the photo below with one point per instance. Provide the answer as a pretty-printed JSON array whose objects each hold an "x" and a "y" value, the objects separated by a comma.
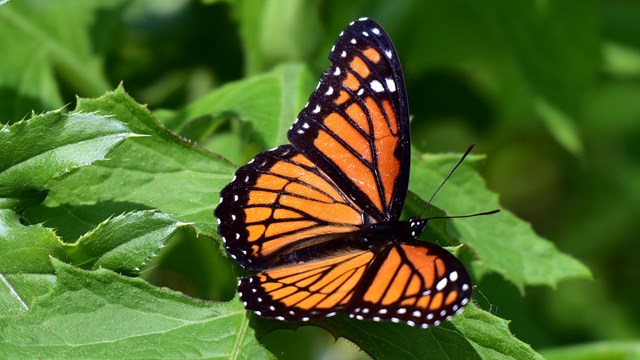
[
  {"x": 453, "y": 276},
  {"x": 316, "y": 109},
  {"x": 441, "y": 284},
  {"x": 375, "y": 31},
  {"x": 391, "y": 85},
  {"x": 388, "y": 53},
  {"x": 343, "y": 54},
  {"x": 329, "y": 91},
  {"x": 376, "y": 86},
  {"x": 337, "y": 71}
]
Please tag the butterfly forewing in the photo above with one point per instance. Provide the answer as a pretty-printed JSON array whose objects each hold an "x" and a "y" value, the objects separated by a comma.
[
  {"x": 355, "y": 126},
  {"x": 278, "y": 203}
]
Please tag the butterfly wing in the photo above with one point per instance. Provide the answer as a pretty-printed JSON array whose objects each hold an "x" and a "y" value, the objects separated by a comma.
[
  {"x": 278, "y": 204},
  {"x": 356, "y": 124},
  {"x": 417, "y": 283},
  {"x": 306, "y": 290}
]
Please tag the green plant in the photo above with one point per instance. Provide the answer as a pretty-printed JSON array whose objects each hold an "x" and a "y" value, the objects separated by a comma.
[{"x": 99, "y": 200}]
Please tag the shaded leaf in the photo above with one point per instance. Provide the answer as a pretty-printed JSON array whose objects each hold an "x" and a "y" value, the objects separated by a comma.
[
  {"x": 603, "y": 350},
  {"x": 271, "y": 101},
  {"x": 474, "y": 334},
  {"x": 54, "y": 38},
  {"x": 25, "y": 267},
  {"x": 123, "y": 243}
]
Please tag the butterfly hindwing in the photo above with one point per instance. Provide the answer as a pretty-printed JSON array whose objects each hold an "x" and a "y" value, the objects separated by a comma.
[
  {"x": 356, "y": 123},
  {"x": 413, "y": 282},
  {"x": 416, "y": 283},
  {"x": 278, "y": 203},
  {"x": 307, "y": 290}
]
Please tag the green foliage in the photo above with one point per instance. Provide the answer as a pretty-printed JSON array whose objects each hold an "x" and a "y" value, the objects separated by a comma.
[
  {"x": 95, "y": 199},
  {"x": 86, "y": 316},
  {"x": 503, "y": 243},
  {"x": 30, "y": 157}
]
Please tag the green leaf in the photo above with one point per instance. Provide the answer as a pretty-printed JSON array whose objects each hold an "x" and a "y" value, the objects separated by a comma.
[
  {"x": 474, "y": 334},
  {"x": 46, "y": 146},
  {"x": 270, "y": 101},
  {"x": 620, "y": 60},
  {"x": 563, "y": 129},
  {"x": 275, "y": 32},
  {"x": 25, "y": 267},
  {"x": 604, "y": 350},
  {"x": 160, "y": 171},
  {"x": 503, "y": 243},
  {"x": 546, "y": 42},
  {"x": 99, "y": 314},
  {"x": 48, "y": 39},
  {"x": 123, "y": 243}
]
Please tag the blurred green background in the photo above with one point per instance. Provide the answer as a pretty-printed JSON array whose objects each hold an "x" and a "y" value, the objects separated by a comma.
[{"x": 549, "y": 90}]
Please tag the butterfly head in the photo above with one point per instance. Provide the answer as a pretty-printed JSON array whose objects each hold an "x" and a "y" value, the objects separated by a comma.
[{"x": 417, "y": 226}]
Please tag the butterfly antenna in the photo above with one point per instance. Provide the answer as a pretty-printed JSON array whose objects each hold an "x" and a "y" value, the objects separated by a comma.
[
  {"x": 465, "y": 216},
  {"x": 447, "y": 178}
]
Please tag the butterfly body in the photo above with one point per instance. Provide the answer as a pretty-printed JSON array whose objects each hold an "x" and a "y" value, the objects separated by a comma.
[{"x": 319, "y": 219}]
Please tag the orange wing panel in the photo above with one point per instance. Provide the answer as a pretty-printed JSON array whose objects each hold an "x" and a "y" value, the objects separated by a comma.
[
  {"x": 358, "y": 123},
  {"x": 281, "y": 202},
  {"x": 302, "y": 291},
  {"x": 418, "y": 283}
]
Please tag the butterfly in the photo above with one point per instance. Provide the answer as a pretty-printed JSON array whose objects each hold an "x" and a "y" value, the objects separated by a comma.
[{"x": 318, "y": 219}]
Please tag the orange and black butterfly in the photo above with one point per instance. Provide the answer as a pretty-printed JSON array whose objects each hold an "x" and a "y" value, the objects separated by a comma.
[{"x": 318, "y": 220}]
